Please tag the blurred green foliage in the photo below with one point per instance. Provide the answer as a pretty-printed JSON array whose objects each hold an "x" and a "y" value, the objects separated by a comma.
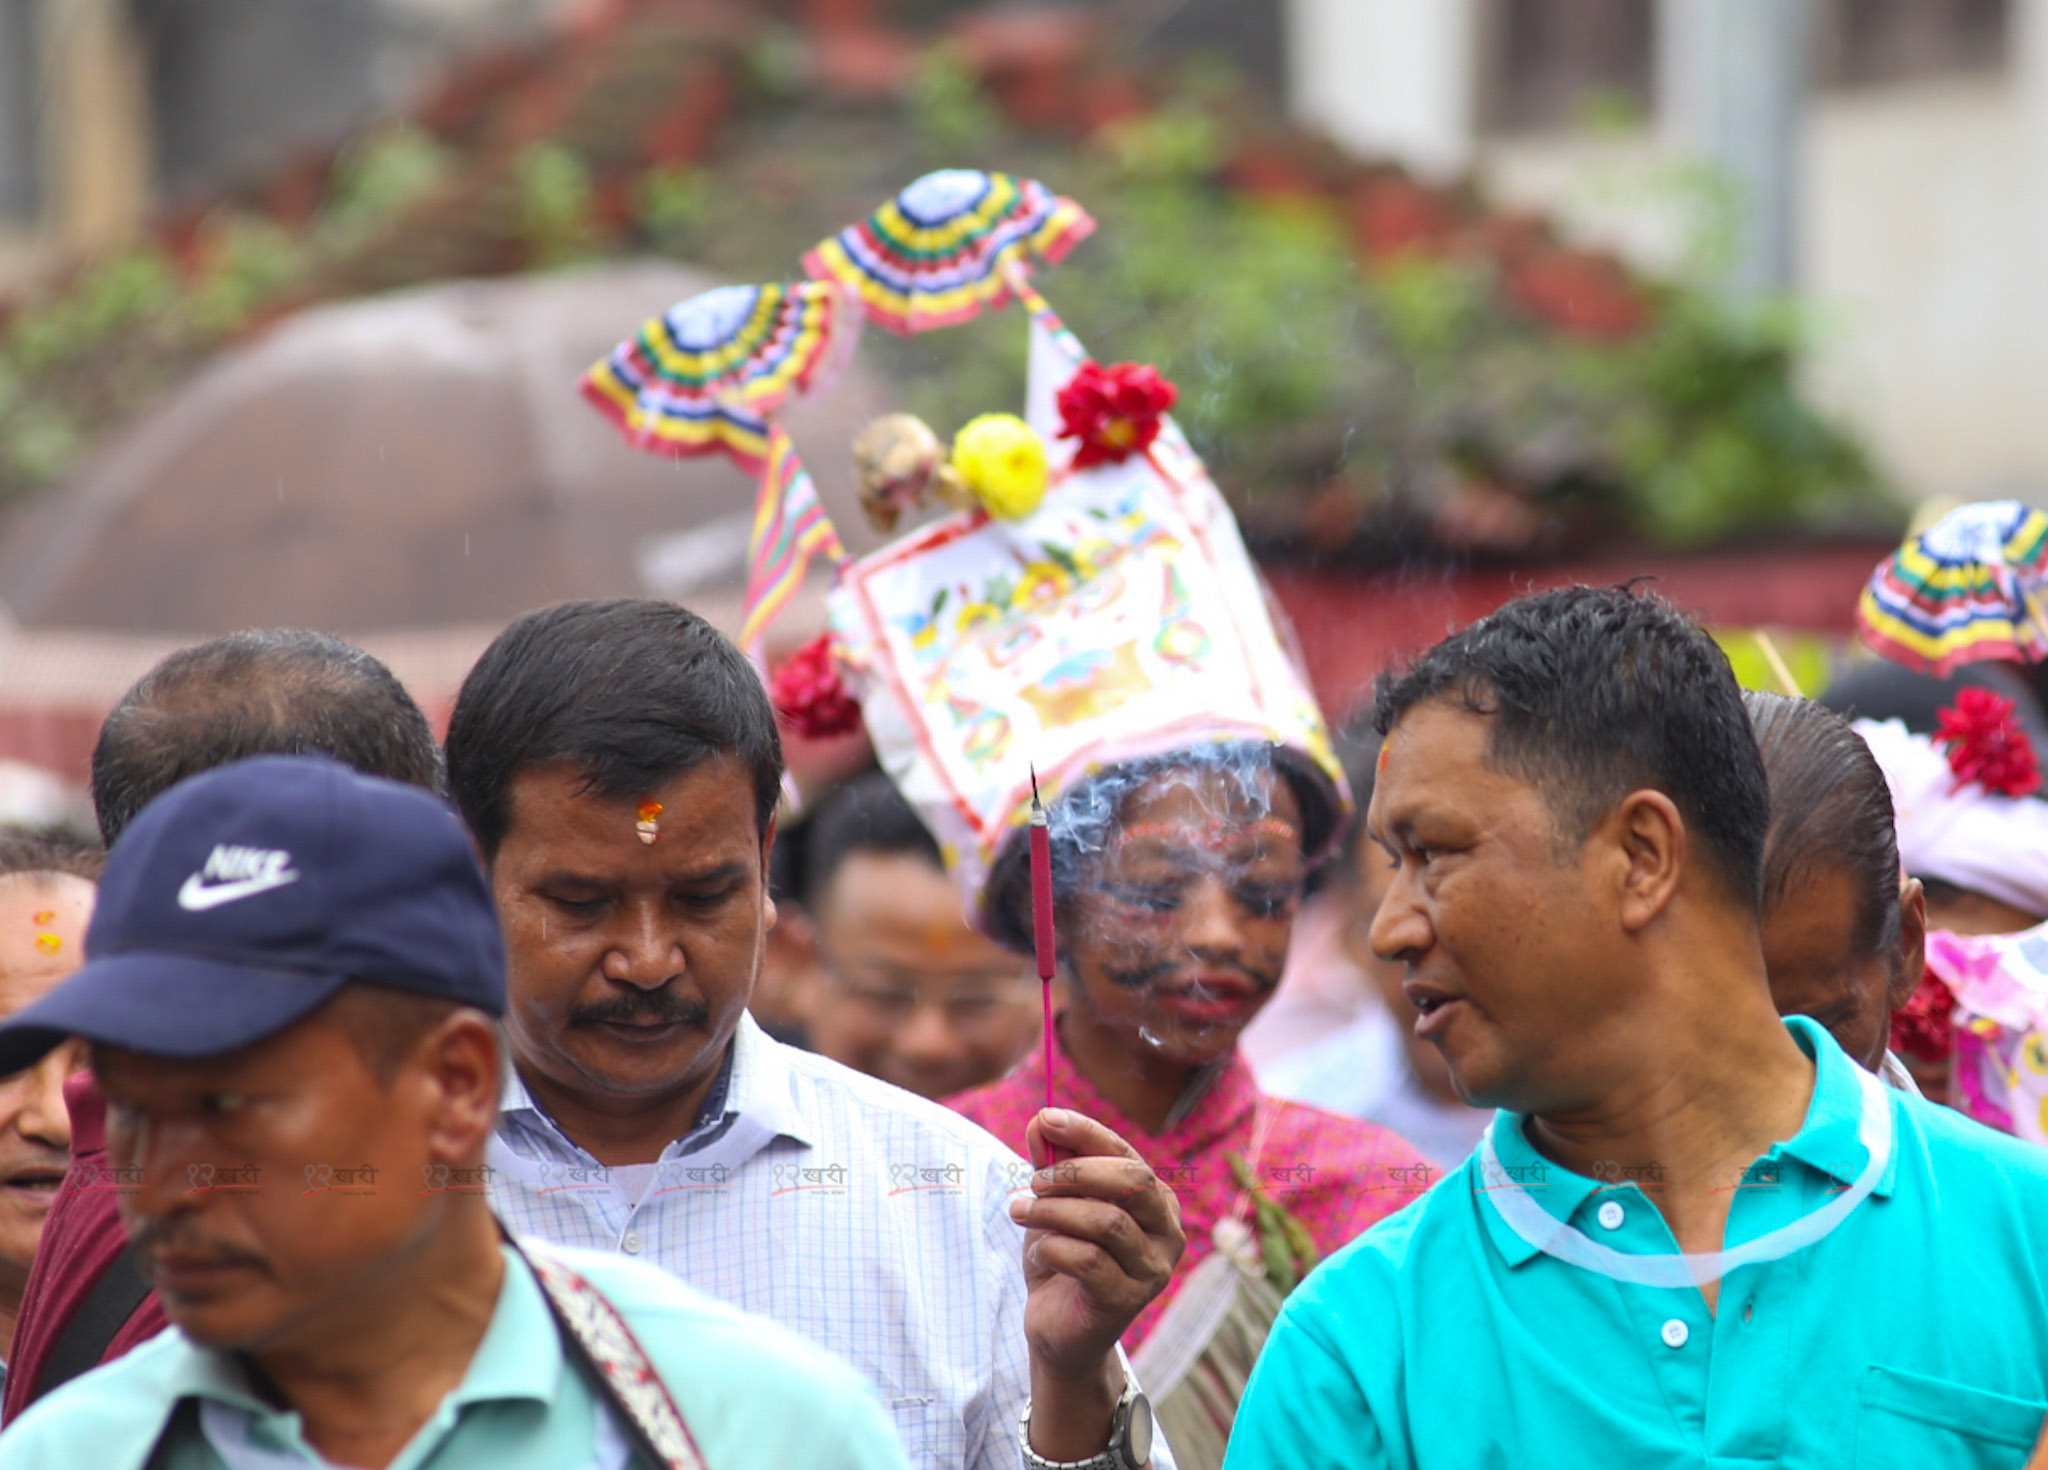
[
  {"x": 555, "y": 198},
  {"x": 1300, "y": 369}
]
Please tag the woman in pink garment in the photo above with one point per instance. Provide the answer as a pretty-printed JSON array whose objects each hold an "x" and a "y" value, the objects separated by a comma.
[{"x": 1178, "y": 880}]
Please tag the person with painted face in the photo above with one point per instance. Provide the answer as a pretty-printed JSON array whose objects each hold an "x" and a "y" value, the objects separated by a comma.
[
  {"x": 619, "y": 767},
  {"x": 1339, "y": 1034},
  {"x": 1092, "y": 645},
  {"x": 1177, "y": 883},
  {"x": 1684, "y": 1195}
]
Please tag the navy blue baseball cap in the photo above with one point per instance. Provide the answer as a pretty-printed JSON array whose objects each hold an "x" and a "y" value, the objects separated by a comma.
[{"x": 244, "y": 898}]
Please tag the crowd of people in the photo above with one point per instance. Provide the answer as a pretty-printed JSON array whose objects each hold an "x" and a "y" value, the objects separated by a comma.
[
  {"x": 405, "y": 1108},
  {"x": 1578, "y": 1059}
]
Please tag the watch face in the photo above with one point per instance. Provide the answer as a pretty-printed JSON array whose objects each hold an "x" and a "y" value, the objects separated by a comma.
[{"x": 1138, "y": 1429}]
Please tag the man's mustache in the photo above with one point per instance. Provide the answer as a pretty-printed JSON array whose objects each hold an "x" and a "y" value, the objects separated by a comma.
[
  {"x": 661, "y": 1007},
  {"x": 150, "y": 1238}
]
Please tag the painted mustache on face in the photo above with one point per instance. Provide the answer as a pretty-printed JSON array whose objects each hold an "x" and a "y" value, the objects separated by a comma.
[
  {"x": 1148, "y": 977},
  {"x": 662, "y": 1007}
]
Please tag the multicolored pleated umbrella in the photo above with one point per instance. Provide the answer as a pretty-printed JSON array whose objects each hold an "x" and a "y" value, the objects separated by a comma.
[
  {"x": 949, "y": 247},
  {"x": 705, "y": 375},
  {"x": 1968, "y": 588}
]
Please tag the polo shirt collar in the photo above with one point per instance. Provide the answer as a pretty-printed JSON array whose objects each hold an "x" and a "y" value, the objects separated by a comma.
[
  {"x": 519, "y": 1357},
  {"x": 1828, "y": 1141}
]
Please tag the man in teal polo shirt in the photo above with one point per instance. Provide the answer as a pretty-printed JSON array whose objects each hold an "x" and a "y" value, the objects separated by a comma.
[
  {"x": 1696, "y": 1234},
  {"x": 292, "y": 983}
]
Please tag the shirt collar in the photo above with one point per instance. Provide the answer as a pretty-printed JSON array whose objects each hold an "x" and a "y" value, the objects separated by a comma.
[
  {"x": 1828, "y": 1142},
  {"x": 755, "y": 1094},
  {"x": 519, "y": 1357}
]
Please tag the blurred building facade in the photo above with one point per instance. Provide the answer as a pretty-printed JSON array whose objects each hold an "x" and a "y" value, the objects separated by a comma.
[
  {"x": 1910, "y": 190},
  {"x": 110, "y": 109}
]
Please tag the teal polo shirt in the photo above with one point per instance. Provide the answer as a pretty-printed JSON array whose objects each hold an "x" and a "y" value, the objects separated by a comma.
[
  {"x": 1914, "y": 1335},
  {"x": 753, "y": 1394}
]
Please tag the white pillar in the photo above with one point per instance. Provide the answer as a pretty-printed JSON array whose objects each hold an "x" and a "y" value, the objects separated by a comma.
[
  {"x": 1731, "y": 82},
  {"x": 1388, "y": 78}
]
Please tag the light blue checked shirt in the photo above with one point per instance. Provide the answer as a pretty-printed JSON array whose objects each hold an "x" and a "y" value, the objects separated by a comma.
[{"x": 869, "y": 1220}]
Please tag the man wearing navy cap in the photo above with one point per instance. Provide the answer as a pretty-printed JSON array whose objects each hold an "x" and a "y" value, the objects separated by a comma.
[{"x": 291, "y": 987}]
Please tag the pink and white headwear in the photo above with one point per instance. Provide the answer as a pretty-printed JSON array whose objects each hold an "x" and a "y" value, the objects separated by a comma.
[
  {"x": 1954, "y": 830},
  {"x": 1121, "y": 620}
]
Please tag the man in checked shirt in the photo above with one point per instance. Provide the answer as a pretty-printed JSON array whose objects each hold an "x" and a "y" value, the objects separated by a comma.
[{"x": 618, "y": 765}]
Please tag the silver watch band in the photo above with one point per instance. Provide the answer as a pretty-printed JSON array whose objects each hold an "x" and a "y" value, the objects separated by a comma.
[{"x": 1117, "y": 1454}]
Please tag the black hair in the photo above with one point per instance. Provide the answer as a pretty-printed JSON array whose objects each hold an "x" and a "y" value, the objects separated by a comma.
[
  {"x": 1591, "y": 693},
  {"x": 56, "y": 850},
  {"x": 634, "y": 692},
  {"x": 279, "y": 691},
  {"x": 1831, "y": 811},
  {"x": 1081, "y": 820},
  {"x": 867, "y": 814}
]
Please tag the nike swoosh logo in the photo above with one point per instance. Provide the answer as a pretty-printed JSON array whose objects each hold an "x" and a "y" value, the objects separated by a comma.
[{"x": 197, "y": 895}]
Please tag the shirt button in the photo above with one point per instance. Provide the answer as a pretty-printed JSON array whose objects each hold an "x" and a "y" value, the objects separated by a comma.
[
  {"x": 630, "y": 1244},
  {"x": 1675, "y": 1333},
  {"x": 1611, "y": 1215}
]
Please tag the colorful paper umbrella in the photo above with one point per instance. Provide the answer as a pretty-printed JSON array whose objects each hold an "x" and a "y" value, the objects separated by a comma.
[
  {"x": 705, "y": 375},
  {"x": 1966, "y": 589},
  {"x": 943, "y": 250}
]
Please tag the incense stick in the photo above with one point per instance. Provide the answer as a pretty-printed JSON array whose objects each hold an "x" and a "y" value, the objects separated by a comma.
[
  {"x": 1776, "y": 661},
  {"x": 1044, "y": 949}
]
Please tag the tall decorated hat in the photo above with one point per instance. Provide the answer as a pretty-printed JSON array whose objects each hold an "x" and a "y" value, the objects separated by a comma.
[
  {"x": 1077, "y": 600},
  {"x": 1088, "y": 605}
]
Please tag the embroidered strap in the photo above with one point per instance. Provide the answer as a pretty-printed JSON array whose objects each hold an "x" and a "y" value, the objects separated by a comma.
[{"x": 595, "y": 1332}]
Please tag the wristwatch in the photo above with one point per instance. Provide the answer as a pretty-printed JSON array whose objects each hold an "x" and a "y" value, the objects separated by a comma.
[{"x": 1130, "y": 1436}]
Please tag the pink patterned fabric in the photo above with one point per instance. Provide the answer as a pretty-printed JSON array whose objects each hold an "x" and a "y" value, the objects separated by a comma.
[{"x": 1336, "y": 1174}]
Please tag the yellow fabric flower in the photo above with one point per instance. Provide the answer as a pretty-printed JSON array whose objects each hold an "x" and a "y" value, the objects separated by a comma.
[{"x": 1003, "y": 463}]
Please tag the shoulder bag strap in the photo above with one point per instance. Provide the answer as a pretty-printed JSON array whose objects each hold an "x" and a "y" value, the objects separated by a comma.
[
  {"x": 84, "y": 1340},
  {"x": 599, "y": 1340}
]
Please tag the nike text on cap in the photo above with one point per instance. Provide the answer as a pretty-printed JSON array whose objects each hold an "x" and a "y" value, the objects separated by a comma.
[{"x": 241, "y": 900}]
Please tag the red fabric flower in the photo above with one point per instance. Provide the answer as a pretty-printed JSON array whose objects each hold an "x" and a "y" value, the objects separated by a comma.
[
  {"x": 1987, "y": 745},
  {"x": 811, "y": 697},
  {"x": 1115, "y": 412},
  {"x": 1925, "y": 1025}
]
